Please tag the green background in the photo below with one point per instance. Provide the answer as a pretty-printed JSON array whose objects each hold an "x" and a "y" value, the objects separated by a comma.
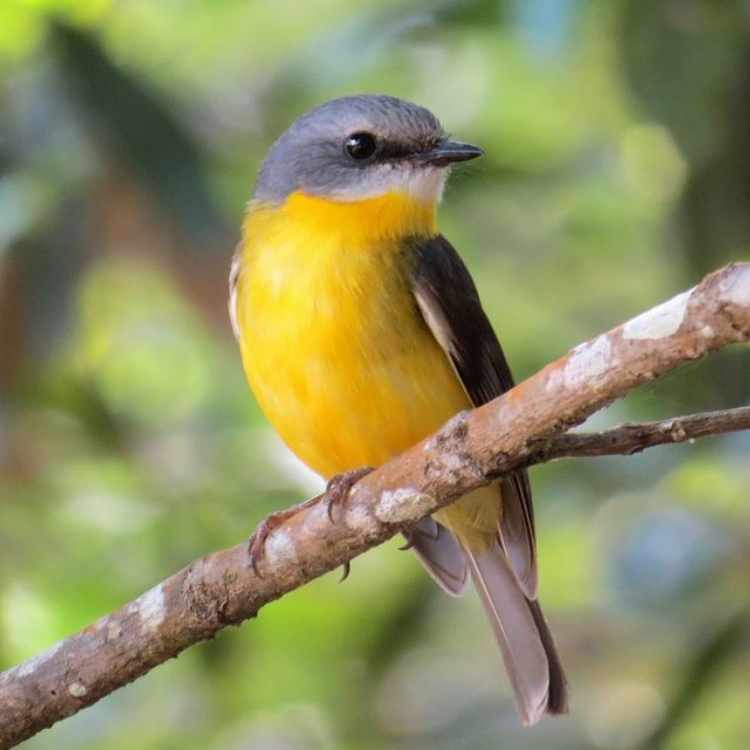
[{"x": 617, "y": 173}]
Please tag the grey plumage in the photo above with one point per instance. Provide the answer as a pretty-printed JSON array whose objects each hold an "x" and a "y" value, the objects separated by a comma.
[
  {"x": 516, "y": 632},
  {"x": 310, "y": 156},
  {"x": 441, "y": 554}
]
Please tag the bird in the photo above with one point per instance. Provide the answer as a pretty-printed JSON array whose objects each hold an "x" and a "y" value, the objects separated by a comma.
[{"x": 361, "y": 332}]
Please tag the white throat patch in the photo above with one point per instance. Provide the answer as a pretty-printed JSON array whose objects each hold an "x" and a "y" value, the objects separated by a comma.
[{"x": 421, "y": 182}]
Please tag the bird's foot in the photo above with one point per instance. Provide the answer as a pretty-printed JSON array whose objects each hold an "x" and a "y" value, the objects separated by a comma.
[
  {"x": 257, "y": 542},
  {"x": 338, "y": 488},
  {"x": 337, "y": 491}
]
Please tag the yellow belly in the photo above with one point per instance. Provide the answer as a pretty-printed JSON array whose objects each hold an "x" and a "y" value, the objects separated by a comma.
[{"x": 334, "y": 347}]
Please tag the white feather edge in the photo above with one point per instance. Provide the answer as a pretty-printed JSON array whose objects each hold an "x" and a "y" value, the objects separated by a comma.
[{"x": 234, "y": 276}]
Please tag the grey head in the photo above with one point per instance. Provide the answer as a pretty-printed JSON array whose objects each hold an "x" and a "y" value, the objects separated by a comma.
[{"x": 359, "y": 147}]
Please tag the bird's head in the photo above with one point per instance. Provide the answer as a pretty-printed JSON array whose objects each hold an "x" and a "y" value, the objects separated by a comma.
[{"x": 362, "y": 147}]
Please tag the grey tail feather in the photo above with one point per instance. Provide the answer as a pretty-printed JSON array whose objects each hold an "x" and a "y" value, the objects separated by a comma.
[
  {"x": 516, "y": 531},
  {"x": 522, "y": 634},
  {"x": 557, "y": 700},
  {"x": 441, "y": 554}
]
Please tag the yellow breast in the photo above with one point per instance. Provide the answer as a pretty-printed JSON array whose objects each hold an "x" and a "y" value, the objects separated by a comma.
[{"x": 332, "y": 342}]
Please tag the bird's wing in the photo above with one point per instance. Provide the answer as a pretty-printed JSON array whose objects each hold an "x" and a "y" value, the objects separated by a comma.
[{"x": 449, "y": 302}]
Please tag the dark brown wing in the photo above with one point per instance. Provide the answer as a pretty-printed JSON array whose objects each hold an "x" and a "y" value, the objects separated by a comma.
[{"x": 450, "y": 305}]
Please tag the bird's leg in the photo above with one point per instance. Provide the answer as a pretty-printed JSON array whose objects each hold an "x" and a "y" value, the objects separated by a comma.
[
  {"x": 338, "y": 488},
  {"x": 337, "y": 491}
]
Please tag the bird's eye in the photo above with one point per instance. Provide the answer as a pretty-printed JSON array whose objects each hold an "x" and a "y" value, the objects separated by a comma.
[{"x": 360, "y": 146}]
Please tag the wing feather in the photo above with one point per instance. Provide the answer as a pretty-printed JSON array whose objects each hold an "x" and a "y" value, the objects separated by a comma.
[{"x": 448, "y": 300}]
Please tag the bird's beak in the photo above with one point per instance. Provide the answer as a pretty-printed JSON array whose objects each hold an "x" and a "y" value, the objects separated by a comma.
[{"x": 449, "y": 152}]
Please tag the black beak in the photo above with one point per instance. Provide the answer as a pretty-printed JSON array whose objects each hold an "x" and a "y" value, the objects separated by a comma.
[{"x": 449, "y": 152}]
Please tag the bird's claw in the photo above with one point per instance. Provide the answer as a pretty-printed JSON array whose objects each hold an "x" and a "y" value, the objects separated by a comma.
[
  {"x": 337, "y": 493},
  {"x": 347, "y": 568},
  {"x": 338, "y": 488},
  {"x": 257, "y": 542}
]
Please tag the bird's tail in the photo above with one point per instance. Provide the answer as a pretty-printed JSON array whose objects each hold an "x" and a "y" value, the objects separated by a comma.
[
  {"x": 441, "y": 554},
  {"x": 526, "y": 644}
]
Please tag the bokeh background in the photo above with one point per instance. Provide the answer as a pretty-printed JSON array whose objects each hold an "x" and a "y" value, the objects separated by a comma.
[{"x": 617, "y": 173}]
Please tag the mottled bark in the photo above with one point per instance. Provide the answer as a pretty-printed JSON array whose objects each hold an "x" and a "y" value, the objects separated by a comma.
[
  {"x": 522, "y": 427},
  {"x": 634, "y": 438}
]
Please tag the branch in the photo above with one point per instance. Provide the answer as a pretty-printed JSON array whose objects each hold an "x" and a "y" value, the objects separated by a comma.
[
  {"x": 634, "y": 438},
  {"x": 471, "y": 450}
]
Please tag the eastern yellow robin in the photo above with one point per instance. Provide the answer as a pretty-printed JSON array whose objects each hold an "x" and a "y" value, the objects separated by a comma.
[{"x": 361, "y": 333}]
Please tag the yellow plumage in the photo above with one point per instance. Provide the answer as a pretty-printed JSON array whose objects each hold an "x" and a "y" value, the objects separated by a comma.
[{"x": 333, "y": 344}]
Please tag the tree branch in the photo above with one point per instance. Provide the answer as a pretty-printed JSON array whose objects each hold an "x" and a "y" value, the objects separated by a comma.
[
  {"x": 634, "y": 438},
  {"x": 524, "y": 426}
]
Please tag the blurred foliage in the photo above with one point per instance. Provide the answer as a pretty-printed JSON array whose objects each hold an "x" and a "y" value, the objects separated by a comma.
[{"x": 617, "y": 172}]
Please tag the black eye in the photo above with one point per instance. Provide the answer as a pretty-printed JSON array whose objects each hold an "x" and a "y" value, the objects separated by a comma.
[{"x": 360, "y": 146}]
